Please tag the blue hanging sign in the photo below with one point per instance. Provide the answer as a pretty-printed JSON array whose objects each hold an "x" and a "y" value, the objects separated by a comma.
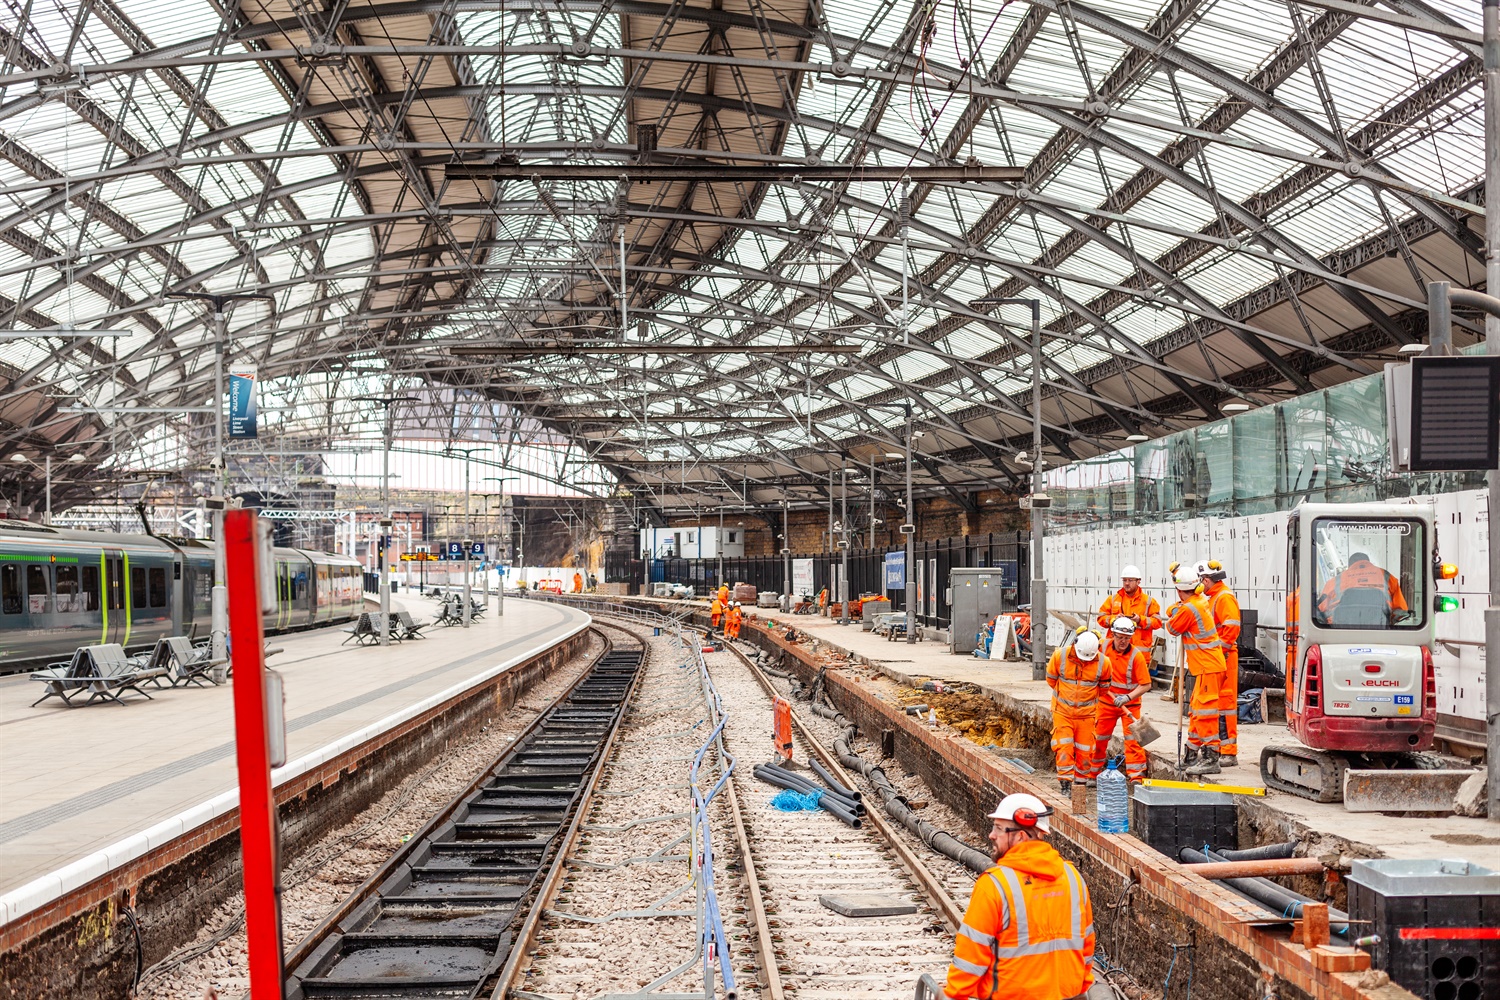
[
  {"x": 476, "y": 550},
  {"x": 242, "y": 401},
  {"x": 455, "y": 550},
  {"x": 895, "y": 570}
]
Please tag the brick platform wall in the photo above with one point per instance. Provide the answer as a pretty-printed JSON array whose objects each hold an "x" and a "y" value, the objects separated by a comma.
[{"x": 82, "y": 946}]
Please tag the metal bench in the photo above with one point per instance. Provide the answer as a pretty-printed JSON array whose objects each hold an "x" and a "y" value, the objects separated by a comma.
[
  {"x": 182, "y": 662},
  {"x": 410, "y": 628},
  {"x": 366, "y": 629},
  {"x": 64, "y": 678},
  {"x": 104, "y": 671}
]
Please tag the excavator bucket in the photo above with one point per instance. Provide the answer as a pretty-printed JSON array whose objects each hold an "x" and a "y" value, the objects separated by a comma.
[{"x": 1402, "y": 790}]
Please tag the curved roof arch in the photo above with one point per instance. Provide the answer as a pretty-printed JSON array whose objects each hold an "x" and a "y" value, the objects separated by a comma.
[{"x": 1219, "y": 200}]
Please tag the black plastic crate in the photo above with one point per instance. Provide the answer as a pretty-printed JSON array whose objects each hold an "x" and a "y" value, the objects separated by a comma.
[
  {"x": 1437, "y": 921},
  {"x": 1172, "y": 818}
]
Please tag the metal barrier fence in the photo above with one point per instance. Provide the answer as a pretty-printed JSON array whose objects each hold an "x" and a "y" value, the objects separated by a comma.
[{"x": 712, "y": 954}]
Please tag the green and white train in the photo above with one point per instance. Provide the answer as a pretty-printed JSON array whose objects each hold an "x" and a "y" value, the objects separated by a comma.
[{"x": 61, "y": 589}]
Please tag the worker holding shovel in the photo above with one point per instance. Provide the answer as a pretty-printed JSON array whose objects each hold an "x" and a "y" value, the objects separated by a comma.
[{"x": 1126, "y": 676}]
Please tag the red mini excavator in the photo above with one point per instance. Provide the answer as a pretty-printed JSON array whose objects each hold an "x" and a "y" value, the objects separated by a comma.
[{"x": 1361, "y": 692}]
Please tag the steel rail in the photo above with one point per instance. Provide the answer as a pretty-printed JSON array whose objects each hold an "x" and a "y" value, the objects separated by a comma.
[
  {"x": 368, "y": 887},
  {"x": 952, "y": 913},
  {"x": 525, "y": 937}
]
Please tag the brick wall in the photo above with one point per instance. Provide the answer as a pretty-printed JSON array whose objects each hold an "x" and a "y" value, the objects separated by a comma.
[{"x": 82, "y": 947}]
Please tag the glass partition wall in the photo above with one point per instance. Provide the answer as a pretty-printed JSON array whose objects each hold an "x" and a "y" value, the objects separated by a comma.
[{"x": 1328, "y": 445}]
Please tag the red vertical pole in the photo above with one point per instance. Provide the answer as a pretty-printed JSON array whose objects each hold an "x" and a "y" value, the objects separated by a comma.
[{"x": 258, "y": 839}]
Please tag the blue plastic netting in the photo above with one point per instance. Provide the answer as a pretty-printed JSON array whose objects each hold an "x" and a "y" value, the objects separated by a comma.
[{"x": 789, "y": 801}]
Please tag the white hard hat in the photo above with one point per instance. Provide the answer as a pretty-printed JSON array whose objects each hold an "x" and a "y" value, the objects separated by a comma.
[
  {"x": 1186, "y": 577},
  {"x": 1023, "y": 810},
  {"x": 1130, "y": 573},
  {"x": 1086, "y": 646},
  {"x": 1122, "y": 626}
]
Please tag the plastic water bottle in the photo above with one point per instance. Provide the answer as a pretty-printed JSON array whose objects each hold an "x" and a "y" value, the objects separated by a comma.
[{"x": 1114, "y": 799}]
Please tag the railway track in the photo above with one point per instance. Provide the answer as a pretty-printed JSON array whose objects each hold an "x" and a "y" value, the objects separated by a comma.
[
  {"x": 451, "y": 913},
  {"x": 531, "y": 883},
  {"x": 793, "y": 862}
]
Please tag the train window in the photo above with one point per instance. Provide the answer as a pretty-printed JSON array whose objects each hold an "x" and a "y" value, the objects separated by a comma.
[
  {"x": 137, "y": 586},
  {"x": 203, "y": 589},
  {"x": 38, "y": 588},
  {"x": 89, "y": 596},
  {"x": 10, "y": 589},
  {"x": 158, "y": 577},
  {"x": 68, "y": 597}
]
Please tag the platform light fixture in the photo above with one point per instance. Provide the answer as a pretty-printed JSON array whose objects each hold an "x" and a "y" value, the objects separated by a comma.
[
  {"x": 1235, "y": 407},
  {"x": 1136, "y": 438},
  {"x": 64, "y": 331}
]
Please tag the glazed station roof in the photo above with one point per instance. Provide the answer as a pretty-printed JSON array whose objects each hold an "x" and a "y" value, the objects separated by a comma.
[{"x": 668, "y": 249}]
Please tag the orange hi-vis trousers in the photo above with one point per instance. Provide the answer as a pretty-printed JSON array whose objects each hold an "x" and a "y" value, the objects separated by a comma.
[
  {"x": 1073, "y": 742},
  {"x": 1229, "y": 704},
  {"x": 1203, "y": 710},
  {"x": 1104, "y": 727}
]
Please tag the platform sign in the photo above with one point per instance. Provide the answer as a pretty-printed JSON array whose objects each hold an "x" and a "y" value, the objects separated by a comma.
[
  {"x": 895, "y": 570},
  {"x": 454, "y": 551},
  {"x": 476, "y": 550},
  {"x": 242, "y": 401},
  {"x": 802, "y": 576}
]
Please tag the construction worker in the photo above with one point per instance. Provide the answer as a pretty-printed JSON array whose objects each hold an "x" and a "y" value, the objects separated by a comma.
[
  {"x": 1361, "y": 574},
  {"x": 1073, "y": 675},
  {"x": 1029, "y": 929},
  {"x": 724, "y": 595},
  {"x": 1134, "y": 603},
  {"x": 577, "y": 583},
  {"x": 1125, "y": 677},
  {"x": 822, "y": 600},
  {"x": 732, "y": 621},
  {"x": 715, "y": 611},
  {"x": 1226, "y": 609},
  {"x": 1192, "y": 618}
]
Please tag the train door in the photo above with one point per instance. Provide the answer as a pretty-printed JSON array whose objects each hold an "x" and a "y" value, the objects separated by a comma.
[{"x": 116, "y": 598}]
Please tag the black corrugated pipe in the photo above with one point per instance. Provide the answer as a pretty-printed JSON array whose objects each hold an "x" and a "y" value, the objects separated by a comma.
[
  {"x": 833, "y": 783},
  {"x": 1276, "y": 898},
  {"x": 790, "y": 779},
  {"x": 830, "y": 804},
  {"x": 895, "y": 804},
  {"x": 1268, "y": 853}
]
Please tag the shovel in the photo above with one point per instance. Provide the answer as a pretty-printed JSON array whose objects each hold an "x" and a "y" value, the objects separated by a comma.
[{"x": 1143, "y": 732}]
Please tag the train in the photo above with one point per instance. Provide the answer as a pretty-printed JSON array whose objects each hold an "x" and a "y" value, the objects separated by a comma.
[{"x": 61, "y": 589}]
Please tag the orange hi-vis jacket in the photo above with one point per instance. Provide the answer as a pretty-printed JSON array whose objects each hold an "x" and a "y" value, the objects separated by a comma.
[
  {"x": 1143, "y": 606},
  {"x": 1362, "y": 575},
  {"x": 1226, "y": 612},
  {"x": 716, "y": 608},
  {"x": 1075, "y": 684},
  {"x": 1193, "y": 619},
  {"x": 1124, "y": 672},
  {"x": 1028, "y": 932},
  {"x": 734, "y": 616}
]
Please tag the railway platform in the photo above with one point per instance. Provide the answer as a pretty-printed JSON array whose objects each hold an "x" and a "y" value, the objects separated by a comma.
[{"x": 85, "y": 786}]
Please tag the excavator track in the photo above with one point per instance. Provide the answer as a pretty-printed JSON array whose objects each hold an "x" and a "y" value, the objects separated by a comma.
[{"x": 1301, "y": 771}]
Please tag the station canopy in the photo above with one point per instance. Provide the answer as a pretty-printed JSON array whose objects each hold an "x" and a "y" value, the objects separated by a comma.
[{"x": 718, "y": 245}]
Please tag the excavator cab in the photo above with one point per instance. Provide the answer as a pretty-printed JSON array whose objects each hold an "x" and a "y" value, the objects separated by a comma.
[{"x": 1360, "y": 611}]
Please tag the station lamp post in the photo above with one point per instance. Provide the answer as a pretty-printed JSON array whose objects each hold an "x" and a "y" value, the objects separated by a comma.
[
  {"x": 844, "y": 546},
  {"x": 46, "y": 467},
  {"x": 1039, "y": 499},
  {"x": 504, "y": 546},
  {"x": 467, "y": 532},
  {"x": 383, "y": 581}
]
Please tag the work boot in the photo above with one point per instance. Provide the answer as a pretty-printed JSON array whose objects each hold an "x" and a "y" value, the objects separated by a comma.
[
  {"x": 1190, "y": 758},
  {"x": 1067, "y": 786},
  {"x": 1229, "y": 760},
  {"x": 1207, "y": 764}
]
